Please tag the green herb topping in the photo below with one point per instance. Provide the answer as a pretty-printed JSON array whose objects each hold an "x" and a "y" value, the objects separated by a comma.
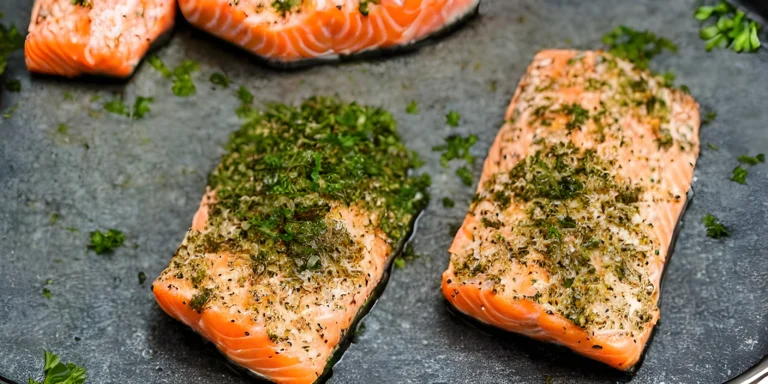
[
  {"x": 638, "y": 47},
  {"x": 141, "y": 106},
  {"x": 408, "y": 255},
  {"x": 117, "y": 107},
  {"x": 732, "y": 28},
  {"x": 220, "y": 79},
  {"x": 448, "y": 202},
  {"x": 744, "y": 159},
  {"x": 364, "y": 6},
  {"x": 13, "y": 85},
  {"x": 106, "y": 242},
  {"x": 577, "y": 212},
  {"x": 453, "y": 118},
  {"x": 739, "y": 175},
  {"x": 715, "y": 230},
  {"x": 57, "y": 372},
  {"x": 456, "y": 147},
  {"x": 285, "y": 6},
  {"x": 412, "y": 108},
  {"x": 10, "y": 40},
  {"x": 82, "y": 3},
  {"x": 142, "y": 277},
  {"x": 180, "y": 76}
]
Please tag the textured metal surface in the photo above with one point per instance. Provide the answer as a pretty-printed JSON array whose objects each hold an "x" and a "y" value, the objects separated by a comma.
[{"x": 146, "y": 177}]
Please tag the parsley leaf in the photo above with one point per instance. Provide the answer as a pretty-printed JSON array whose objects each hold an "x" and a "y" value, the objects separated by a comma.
[
  {"x": 141, "y": 106},
  {"x": 744, "y": 159},
  {"x": 456, "y": 147},
  {"x": 713, "y": 147},
  {"x": 180, "y": 76},
  {"x": 10, "y": 41},
  {"x": 408, "y": 255},
  {"x": 448, "y": 202},
  {"x": 709, "y": 117},
  {"x": 158, "y": 64},
  {"x": 364, "y": 6},
  {"x": 117, "y": 107},
  {"x": 732, "y": 28},
  {"x": 68, "y": 96},
  {"x": 82, "y": 3},
  {"x": 465, "y": 175},
  {"x": 739, "y": 175},
  {"x": 57, "y": 372},
  {"x": 13, "y": 85},
  {"x": 62, "y": 128},
  {"x": 9, "y": 112},
  {"x": 46, "y": 293},
  {"x": 638, "y": 47},
  {"x": 142, "y": 277},
  {"x": 452, "y": 118},
  {"x": 102, "y": 243},
  {"x": 669, "y": 79},
  {"x": 244, "y": 95},
  {"x": 715, "y": 230},
  {"x": 412, "y": 108},
  {"x": 220, "y": 79}
]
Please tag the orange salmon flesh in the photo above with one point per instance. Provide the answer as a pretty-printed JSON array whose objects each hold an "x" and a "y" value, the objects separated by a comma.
[
  {"x": 568, "y": 235},
  {"x": 99, "y": 37},
  {"x": 323, "y": 29}
]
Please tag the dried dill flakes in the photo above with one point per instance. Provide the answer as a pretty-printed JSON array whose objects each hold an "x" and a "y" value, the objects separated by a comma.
[
  {"x": 638, "y": 47},
  {"x": 715, "y": 229},
  {"x": 106, "y": 242},
  {"x": 200, "y": 299}
]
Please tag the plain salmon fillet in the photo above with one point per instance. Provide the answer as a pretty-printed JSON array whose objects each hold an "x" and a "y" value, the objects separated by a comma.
[
  {"x": 293, "y": 31},
  {"x": 295, "y": 233},
  {"x": 567, "y": 237},
  {"x": 99, "y": 37}
]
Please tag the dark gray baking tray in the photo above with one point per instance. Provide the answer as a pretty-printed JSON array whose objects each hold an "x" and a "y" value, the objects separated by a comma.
[{"x": 146, "y": 177}]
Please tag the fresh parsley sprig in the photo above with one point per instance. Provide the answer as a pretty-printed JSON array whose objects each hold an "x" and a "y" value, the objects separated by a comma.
[
  {"x": 57, "y": 372},
  {"x": 732, "y": 28},
  {"x": 715, "y": 229}
]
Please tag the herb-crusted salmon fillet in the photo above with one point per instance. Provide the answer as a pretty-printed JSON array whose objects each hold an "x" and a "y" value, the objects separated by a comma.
[
  {"x": 98, "y": 37},
  {"x": 296, "y": 231},
  {"x": 567, "y": 237},
  {"x": 292, "y": 32}
]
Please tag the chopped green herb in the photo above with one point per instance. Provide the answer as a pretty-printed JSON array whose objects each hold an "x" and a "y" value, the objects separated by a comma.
[
  {"x": 10, "y": 111},
  {"x": 448, "y": 202},
  {"x": 365, "y": 4},
  {"x": 106, "y": 242},
  {"x": 399, "y": 263},
  {"x": 182, "y": 80},
  {"x": 13, "y": 85},
  {"x": 465, "y": 175},
  {"x": 68, "y": 96},
  {"x": 739, "y": 175},
  {"x": 731, "y": 29},
  {"x": 220, "y": 79},
  {"x": 685, "y": 89},
  {"x": 158, "y": 64},
  {"x": 200, "y": 299},
  {"x": 72, "y": 229},
  {"x": 493, "y": 86},
  {"x": 713, "y": 147},
  {"x": 54, "y": 218},
  {"x": 578, "y": 116},
  {"x": 82, "y": 3},
  {"x": 141, "y": 106},
  {"x": 408, "y": 255},
  {"x": 62, "y": 128},
  {"x": 669, "y": 79},
  {"x": 709, "y": 117},
  {"x": 456, "y": 147},
  {"x": 638, "y": 47},
  {"x": 744, "y": 159},
  {"x": 715, "y": 230},
  {"x": 244, "y": 95},
  {"x": 412, "y": 108},
  {"x": 57, "y": 372},
  {"x": 117, "y": 107},
  {"x": 46, "y": 293},
  {"x": 453, "y": 118},
  {"x": 95, "y": 98},
  {"x": 10, "y": 40},
  {"x": 285, "y": 6},
  {"x": 142, "y": 277}
]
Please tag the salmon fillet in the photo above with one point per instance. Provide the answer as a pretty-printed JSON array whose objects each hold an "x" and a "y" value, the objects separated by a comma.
[
  {"x": 292, "y": 31},
  {"x": 295, "y": 233},
  {"x": 567, "y": 237},
  {"x": 99, "y": 37}
]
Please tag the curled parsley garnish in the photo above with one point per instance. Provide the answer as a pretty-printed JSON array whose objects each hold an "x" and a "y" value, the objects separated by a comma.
[
  {"x": 106, "y": 242},
  {"x": 715, "y": 230}
]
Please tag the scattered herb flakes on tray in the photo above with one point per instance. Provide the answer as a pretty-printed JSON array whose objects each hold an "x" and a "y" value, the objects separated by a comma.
[
  {"x": 412, "y": 108},
  {"x": 715, "y": 229},
  {"x": 220, "y": 79},
  {"x": 10, "y": 40},
  {"x": 106, "y": 242},
  {"x": 453, "y": 118},
  {"x": 638, "y": 47},
  {"x": 456, "y": 147}
]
